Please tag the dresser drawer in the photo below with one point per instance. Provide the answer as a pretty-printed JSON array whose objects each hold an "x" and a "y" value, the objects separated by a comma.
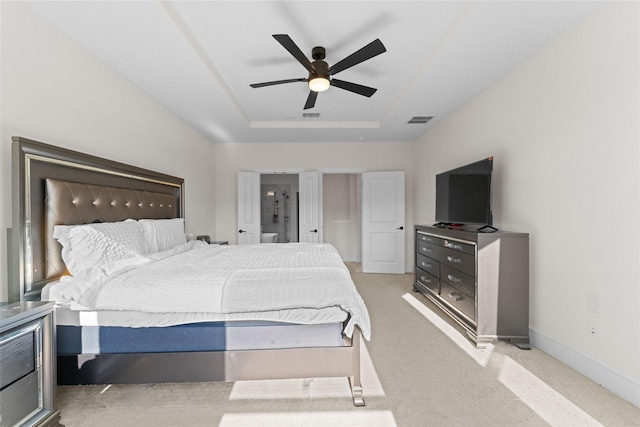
[
  {"x": 17, "y": 356},
  {"x": 458, "y": 260},
  {"x": 429, "y": 265},
  {"x": 429, "y": 239},
  {"x": 457, "y": 299},
  {"x": 428, "y": 249},
  {"x": 459, "y": 246},
  {"x": 429, "y": 280},
  {"x": 457, "y": 279}
]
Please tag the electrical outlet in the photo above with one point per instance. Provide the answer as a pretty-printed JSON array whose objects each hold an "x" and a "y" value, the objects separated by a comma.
[
  {"x": 593, "y": 328},
  {"x": 592, "y": 303}
]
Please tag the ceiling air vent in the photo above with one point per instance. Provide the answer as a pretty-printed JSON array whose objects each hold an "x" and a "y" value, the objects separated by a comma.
[
  {"x": 310, "y": 115},
  {"x": 420, "y": 119}
]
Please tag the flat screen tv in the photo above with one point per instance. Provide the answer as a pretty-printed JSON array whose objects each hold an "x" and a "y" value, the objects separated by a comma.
[{"x": 463, "y": 195}]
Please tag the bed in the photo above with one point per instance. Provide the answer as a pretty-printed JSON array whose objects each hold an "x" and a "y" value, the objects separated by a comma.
[{"x": 168, "y": 310}]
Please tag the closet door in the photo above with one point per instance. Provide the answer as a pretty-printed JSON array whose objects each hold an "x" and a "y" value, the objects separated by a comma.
[
  {"x": 383, "y": 231},
  {"x": 248, "y": 207},
  {"x": 310, "y": 221}
]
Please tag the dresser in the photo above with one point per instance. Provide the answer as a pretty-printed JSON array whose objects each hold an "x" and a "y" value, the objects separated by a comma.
[
  {"x": 27, "y": 364},
  {"x": 480, "y": 280}
]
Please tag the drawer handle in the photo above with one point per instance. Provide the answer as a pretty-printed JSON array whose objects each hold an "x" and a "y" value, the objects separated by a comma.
[
  {"x": 453, "y": 278},
  {"x": 455, "y": 296},
  {"x": 452, "y": 245},
  {"x": 425, "y": 279},
  {"x": 424, "y": 264},
  {"x": 454, "y": 260},
  {"x": 426, "y": 249}
]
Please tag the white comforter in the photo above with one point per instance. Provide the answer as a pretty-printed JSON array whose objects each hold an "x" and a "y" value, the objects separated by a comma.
[{"x": 197, "y": 277}]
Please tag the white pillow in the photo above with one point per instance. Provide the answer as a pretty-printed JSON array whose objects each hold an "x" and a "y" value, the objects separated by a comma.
[
  {"x": 163, "y": 234},
  {"x": 93, "y": 245}
]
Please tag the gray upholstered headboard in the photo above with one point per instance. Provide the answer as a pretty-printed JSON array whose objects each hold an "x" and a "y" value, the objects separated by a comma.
[
  {"x": 69, "y": 203},
  {"x": 54, "y": 186}
]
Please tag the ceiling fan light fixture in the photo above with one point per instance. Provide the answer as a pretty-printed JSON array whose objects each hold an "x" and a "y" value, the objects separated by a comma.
[
  {"x": 319, "y": 84},
  {"x": 319, "y": 71}
]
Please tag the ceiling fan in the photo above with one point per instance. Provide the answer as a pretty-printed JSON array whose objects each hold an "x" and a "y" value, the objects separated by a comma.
[{"x": 319, "y": 71}]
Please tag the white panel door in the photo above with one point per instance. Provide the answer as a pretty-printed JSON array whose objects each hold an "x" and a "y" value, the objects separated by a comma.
[
  {"x": 383, "y": 232},
  {"x": 248, "y": 207},
  {"x": 309, "y": 221}
]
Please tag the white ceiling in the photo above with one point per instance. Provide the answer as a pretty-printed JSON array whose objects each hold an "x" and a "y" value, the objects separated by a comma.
[{"x": 199, "y": 57}]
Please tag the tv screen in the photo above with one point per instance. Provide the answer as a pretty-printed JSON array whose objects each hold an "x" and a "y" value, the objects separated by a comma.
[{"x": 463, "y": 195}]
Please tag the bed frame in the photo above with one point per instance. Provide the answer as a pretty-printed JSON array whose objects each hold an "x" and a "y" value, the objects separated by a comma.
[{"x": 89, "y": 189}]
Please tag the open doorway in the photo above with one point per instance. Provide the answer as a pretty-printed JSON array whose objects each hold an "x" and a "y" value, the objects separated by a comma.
[
  {"x": 379, "y": 217},
  {"x": 341, "y": 210},
  {"x": 279, "y": 208},
  {"x": 342, "y": 213}
]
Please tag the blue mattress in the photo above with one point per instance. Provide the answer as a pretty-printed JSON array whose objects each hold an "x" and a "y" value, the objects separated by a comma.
[{"x": 209, "y": 336}]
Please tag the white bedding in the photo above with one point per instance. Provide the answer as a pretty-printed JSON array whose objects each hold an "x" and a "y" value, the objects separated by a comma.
[
  {"x": 253, "y": 282},
  {"x": 73, "y": 314}
]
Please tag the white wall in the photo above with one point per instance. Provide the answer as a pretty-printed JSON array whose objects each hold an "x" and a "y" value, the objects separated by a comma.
[
  {"x": 55, "y": 92},
  {"x": 231, "y": 158},
  {"x": 564, "y": 130}
]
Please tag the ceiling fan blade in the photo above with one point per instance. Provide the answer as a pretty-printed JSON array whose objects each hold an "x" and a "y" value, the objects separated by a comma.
[
  {"x": 276, "y": 82},
  {"x": 311, "y": 100},
  {"x": 374, "y": 48},
  {"x": 294, "y": 50},
  {"x": 354, "y": 87}
]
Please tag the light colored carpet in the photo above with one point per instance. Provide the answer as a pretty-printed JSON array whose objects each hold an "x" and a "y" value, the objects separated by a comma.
[{"x": 418, "y": 370}]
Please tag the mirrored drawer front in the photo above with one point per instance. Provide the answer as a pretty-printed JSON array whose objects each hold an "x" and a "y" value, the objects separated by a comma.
[
  {"x": 429, "y": 239},
  {"x": 428, "y": 280},
  {"x": 428, "y": 249},
  {"x": 17, "y": 356},
  {"x": 20, "y": 399},
  {"x": 459, "y": 280},
  {"x": 458, "y": 260},
  {"x": 457, "y": 299},
  {"x": 429, "y": 265},
  {"x": 459, "y": 246}
]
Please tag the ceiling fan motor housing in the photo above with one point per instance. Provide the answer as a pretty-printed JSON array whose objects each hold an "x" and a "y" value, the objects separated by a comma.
[{"x": 321, "y": 69}]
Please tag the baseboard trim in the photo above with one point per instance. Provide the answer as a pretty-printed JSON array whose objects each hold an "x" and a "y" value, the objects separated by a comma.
[{"x": 625, "y": 387}]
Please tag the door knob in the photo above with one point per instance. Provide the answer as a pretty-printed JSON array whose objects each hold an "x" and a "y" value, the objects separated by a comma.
[
  {"x": 315, "y": 230},
  {"x": 241, "y": 231},
  {"x": 400, "y": 228}
]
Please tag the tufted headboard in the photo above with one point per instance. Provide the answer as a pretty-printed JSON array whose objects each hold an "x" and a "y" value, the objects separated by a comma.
[
  {"x": 54, "y": 186},
  {"x": 69, "y": 203}
]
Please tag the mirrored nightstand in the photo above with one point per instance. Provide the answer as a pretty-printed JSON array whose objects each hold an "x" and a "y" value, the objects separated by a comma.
[{"x": 28, "y": 364}]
